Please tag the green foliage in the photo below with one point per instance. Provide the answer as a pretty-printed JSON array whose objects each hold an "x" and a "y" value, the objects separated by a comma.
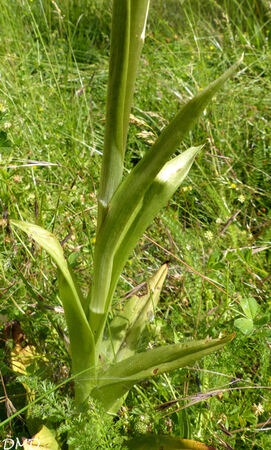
[
  {"x": 54, "y": 104},
  {"x": 125, "y": 210}
]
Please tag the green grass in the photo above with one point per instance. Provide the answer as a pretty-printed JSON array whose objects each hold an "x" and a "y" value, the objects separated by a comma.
[{"x": 52, "y": 96}]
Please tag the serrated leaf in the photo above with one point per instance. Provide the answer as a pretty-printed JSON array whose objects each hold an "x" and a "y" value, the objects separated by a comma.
[
  {"x": 157, "y": 442},
  {"x": 244, "y": 325},
  {"x": 114, "y": 382},
  {"x": 81, "y": 337}
]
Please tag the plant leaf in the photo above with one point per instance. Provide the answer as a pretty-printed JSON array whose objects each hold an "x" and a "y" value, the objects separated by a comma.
[
  {"x": 5, "y": 143},
  {"x": 127, "y": 38},
  {"x": 128, "y": 198},
  {"x": 113, "y": 152},
  {"x": 157, "y": 442},
  {"x": 250, "y": 307},
  {"x": 244, "y": 325},
  {"x": 159, "y": 193},
  {"x": 114, "y": 382},
  {"x": 127, "y": 325},
  {"x": 44, "y": 440},
  {"x": 139, "y": 15},
  {"x": 157, "y": 196},
  {"x": 81, "y": 337}
]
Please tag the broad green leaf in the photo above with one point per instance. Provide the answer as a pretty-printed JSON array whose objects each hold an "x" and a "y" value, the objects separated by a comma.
[
  {"x": 250, "y": 307},
  {"x": 118, "y": 379},
  {"x": 157, "y": 196},
  {"x": 128, "y": 198},
  {"x": 81, "y": 337},
  {"x": 157, "y": 442},
  {"x": 128, "y": 324},
  {"x": 159, "y": 193},
  {"x": 244, "y": 325},
  {"x": 44, "y": 440}
]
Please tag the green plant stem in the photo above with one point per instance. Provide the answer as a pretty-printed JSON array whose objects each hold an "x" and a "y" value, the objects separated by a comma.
[
  {"x": 113, "y": 152},
  {"x": 127, "y": 201},
  {"x": 139, "y": 15},
  {"x": 127, "y": 38}
]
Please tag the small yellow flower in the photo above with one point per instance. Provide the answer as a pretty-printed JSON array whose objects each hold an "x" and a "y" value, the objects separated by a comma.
[
  {"x": 93, "y": 240},
  {"x": 34, "y": 167},
  {"x": 211, "y": 47},
  {"x": 233, "y": 185},
  {"x": 187, "y": 188},
  {"x": 2, "y": 108},
  {"x": 208, "y": 235},
  {"x": 258, "y": 409},
  {"x": 241, "y": 198}
]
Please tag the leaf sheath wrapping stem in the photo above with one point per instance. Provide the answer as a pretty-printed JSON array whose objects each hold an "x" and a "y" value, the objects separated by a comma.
[
  {"x": 128, "y": 199},
  {"x": 127, "y": 38}
]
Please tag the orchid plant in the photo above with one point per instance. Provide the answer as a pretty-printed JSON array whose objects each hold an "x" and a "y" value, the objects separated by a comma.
[{"x": 105, "y": 359}]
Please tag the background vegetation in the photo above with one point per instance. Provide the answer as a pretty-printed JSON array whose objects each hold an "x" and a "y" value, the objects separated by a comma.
[{"x": 53, "y": 73}]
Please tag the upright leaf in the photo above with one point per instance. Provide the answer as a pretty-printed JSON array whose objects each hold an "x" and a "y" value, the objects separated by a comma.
[
  {"x": 127, "y": 38},
  {"x": 128, "y": 324},
  {"x": 156, "y": 197},
  {"x": 139, "y": 15},
  {"x": 81, "y": 337},
  {"x": 113, "y": 152},
  {"x": 128, "y": 198}
]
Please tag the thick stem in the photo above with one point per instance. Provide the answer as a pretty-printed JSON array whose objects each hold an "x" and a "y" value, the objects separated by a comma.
[
  {"x": 128, "y": 198},
  {"x": 127, "y": 39},
  {"x": 113, "y": 152}
]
